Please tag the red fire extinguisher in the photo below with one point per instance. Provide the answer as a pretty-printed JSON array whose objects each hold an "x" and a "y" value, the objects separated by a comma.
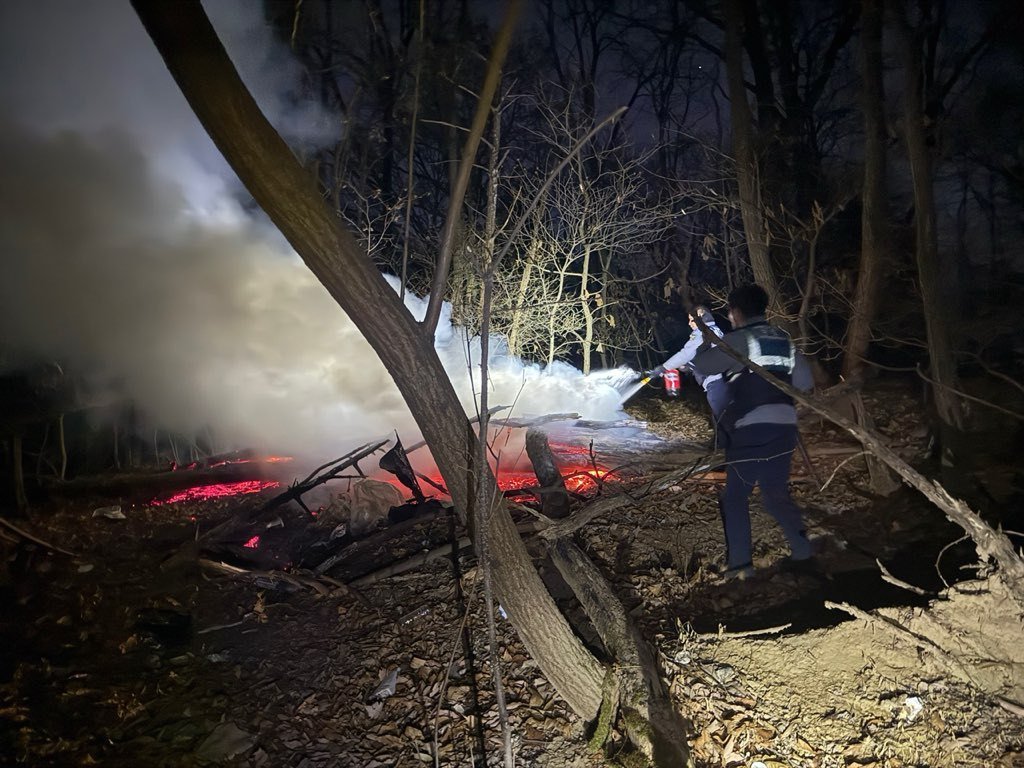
[{"x": 671, "y": 381}]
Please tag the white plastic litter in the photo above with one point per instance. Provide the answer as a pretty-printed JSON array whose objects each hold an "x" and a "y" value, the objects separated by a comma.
[
  {"x": 385, "y": 688},
  {"x": 912, "y": 707},
  {"x": 111, "y": 513}
]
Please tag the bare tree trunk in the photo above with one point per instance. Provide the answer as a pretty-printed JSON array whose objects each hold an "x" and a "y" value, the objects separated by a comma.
[
  {"x": 17, "y": 457},
  {"x": 553, "y": 316},
  {"x": 288, "y": 194},
  {"x": 755, "y": 224},
  {"x": 488, "y": 503},
  {"x": 63, "y": 446},
  {"x": 940, "y": 348},
  {"x": 410, "y": 191},
  {"x": 874, "y": 218},
  {"x": 588, "y": 314},
  {"x": 465, "y": 166},
  {"x": 514, "y": 342}
]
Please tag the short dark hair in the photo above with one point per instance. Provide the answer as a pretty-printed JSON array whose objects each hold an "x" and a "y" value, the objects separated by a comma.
[{"x": 749, "y": 299}]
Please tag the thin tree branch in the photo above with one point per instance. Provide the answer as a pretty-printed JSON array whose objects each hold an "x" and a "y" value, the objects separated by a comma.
[{"x": 483, "y": 108}]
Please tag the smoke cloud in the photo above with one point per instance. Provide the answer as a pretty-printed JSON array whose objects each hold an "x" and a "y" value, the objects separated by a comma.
[{"x": 125, "y": 254}]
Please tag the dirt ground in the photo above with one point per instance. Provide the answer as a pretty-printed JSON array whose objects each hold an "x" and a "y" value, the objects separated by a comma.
[{"x": 132, "y": 653}]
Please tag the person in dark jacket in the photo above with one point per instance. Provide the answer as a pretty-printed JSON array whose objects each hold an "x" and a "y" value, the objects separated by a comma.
[{"x": 759, "y": 424}]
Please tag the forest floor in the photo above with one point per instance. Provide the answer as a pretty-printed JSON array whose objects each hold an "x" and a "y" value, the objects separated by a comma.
[{"x": 132, "y": 654}]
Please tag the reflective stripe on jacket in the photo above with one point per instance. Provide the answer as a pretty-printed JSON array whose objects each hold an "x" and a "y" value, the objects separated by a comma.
[{"x": 772, "y": 349}]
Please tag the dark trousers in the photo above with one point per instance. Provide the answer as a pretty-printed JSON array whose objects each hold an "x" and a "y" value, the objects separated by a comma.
[
  {"x": 760, "y": 454},
  {"x": 718, "y": 397}
]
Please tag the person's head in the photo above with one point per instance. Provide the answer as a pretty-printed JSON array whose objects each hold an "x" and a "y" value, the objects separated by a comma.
[
  {"x": 702, "y": 313},
  {"x": 747, "y": 302}
]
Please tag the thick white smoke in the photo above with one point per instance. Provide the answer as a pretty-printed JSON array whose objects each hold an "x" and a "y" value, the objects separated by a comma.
[{"x": 124, "y": 253}]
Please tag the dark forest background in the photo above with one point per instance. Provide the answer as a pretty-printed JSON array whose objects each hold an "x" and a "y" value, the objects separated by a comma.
[{"x": 864, "y": 164}]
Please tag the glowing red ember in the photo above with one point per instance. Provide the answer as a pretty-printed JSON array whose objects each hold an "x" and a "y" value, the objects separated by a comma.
[
  {"x": 578, "y": 479},
  {"x": 252, "y": 543},
  {"x": 218, "y": 490}
]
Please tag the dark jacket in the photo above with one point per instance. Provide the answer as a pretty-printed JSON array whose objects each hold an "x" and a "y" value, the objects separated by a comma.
[{"x": 752, "y": 400}]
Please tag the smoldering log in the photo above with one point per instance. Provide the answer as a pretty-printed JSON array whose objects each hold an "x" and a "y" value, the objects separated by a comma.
[{"x": 554, "y": 499}]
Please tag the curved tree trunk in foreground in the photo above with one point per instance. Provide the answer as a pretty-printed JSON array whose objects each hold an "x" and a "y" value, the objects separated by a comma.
[
  {"x": 648, "y": 713},
  {"x": 265, "y": 164}
]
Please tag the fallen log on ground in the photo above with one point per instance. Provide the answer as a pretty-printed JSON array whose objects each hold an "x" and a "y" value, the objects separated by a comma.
[
  {"x": 409, "y": 563},
  {"x": 367, "y": 545},
  {"x": 647, "y": 712},
  {"x": 154, "y": 483},
  {"x": 554, "y": 500}
]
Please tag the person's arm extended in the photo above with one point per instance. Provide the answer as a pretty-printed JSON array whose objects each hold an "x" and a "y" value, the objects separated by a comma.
[{"x": 684, "y": 355}]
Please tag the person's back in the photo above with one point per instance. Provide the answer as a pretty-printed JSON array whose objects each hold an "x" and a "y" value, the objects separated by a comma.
[
  {"x": 759, "y": 425},
  {"x": 752, "y": 399}
]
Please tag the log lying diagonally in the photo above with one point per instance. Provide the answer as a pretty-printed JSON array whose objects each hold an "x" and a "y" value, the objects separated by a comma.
[{"x": 648, "y": 714}]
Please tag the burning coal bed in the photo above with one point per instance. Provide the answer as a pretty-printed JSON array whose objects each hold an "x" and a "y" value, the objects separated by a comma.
[
  {"x": 514, "y": 484},
  {"x": 276, "y": 526}
]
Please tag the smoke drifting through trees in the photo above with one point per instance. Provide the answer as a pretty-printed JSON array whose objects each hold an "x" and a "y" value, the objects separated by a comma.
[{"x": 128, "y": 256}]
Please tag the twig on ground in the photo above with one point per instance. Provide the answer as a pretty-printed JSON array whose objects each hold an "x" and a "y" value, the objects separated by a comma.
[
  {"x": 746, "y": 633},
  {"x": 942, "y": 551},
  {"x": 835, "y": 471},
  {"x": 218, "y": 627},
  {"x": 296, "y": 580},
  {"x": 1010, "y": 706},
  {"x": 886, "y": 576},
  {"x": 35, "y": 539}
]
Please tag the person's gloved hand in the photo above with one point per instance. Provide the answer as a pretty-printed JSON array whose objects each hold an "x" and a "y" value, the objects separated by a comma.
[{"x": 655, "y": 372}]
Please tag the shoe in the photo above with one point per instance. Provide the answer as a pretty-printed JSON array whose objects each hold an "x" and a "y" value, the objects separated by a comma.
[
  {"x": 808, "y": 566},
  {"x": 802, "y": 549},
  {"x": 739, "y": 573}
]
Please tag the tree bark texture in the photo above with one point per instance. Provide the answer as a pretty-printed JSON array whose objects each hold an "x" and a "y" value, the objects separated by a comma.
[
  {"x": 744, "y": 153},
  {"x": 648, "y": 713},
  {"x": 265, "y": 164},
  {"x": 554, "y": 499},
  {"x": 940, "y": 347},
  {"x": 874, "y": 217}
]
